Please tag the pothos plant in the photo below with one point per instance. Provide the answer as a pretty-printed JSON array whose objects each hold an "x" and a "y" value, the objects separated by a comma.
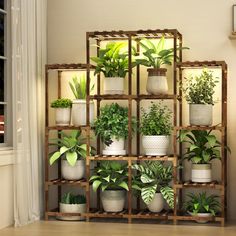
[
  {"x": 113, "y": 123},
  {"x": 153, "y": 177}
]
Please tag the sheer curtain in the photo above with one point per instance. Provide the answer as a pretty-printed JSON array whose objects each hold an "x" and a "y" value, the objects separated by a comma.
[{"x": 28, "y": 60}]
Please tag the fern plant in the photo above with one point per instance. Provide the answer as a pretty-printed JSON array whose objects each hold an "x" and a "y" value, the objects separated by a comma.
[
  {"x": 69, "y": 198},
  {"x": 153, "y": 177}
]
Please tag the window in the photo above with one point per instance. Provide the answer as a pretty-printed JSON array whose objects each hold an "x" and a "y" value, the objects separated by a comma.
[{"x": 5, "y": 74}]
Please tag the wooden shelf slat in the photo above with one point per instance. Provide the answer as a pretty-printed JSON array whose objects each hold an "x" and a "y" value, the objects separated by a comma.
[
  {"x": 68, "y": 127},
  {"x": 59, "y": 182},
  {"x": 215, "y": 127},
  {"x": 189, "y": 184},
  {"x": 196, "y": 64}
]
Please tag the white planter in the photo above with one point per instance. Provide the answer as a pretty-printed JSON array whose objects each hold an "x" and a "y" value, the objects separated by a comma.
[
  {"x": 115, "y": 148},
  {"x": 157, "y": 81},
  {"x": 200, "y": 114},
  {"x": 63, "y": 116},
  {"x": 73, "y": 172},
  {"x": 79, "y": 112},
  {"x": 113, "y": 200},
  {"x": 72, "y": 208},
  {"x": 113, "y": 85},
  {"x": 157, "y": 204},
  {"x": 206, "y": 215},
  {"x": 155, "y": 145},
  {"x": 201, "y": 173}
]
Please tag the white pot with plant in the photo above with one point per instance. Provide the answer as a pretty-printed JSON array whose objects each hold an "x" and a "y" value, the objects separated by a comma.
[
  {"x": 203, "y": 148},
  {"x": 199, "y": 91},
  {"x": 73, "y": 151},
  {"x": 113, "y": 62},
  {"x": 111, "y": 178},
  {"x": 78, "y": 87},
  {"x": 152, "y": 181},
  {"x": 112, "y": 127},
  {"x": 155, "y": 56},
  {"x": 71, "y": 203},
  {"x": 155, "y": 127},
  {"x": 63, "y": 111},
  {"x": 202, "y": 207}
]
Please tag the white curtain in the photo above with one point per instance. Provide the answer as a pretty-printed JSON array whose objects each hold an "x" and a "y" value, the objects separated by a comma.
[{"x": 28, "y": 20}]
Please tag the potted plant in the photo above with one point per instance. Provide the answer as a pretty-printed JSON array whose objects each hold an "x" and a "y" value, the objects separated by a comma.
[
  {"x": 199, "y": 91},
  {"x": 73, "y": 151},
  {"x": 203, "y": 148},
  {"x": 78, "y": 87},
  {"x": 63, "y": 110},
  {"x": 155, "y": 127},
  {"x": 154, "y": 57},
  {"x": 113, "y": 62},
  {"x": 112, "y": 178},
  {"x": 112, "y": 126},
  {"x": 71, "y": 203},
  {"x": 201, "y": 205},
  {"x": 152, "y": 180}
]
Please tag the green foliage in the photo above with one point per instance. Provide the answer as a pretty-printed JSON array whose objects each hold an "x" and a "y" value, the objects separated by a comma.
[
  {"x": 156, "y": 121},
  {"x": 78, "y": 87},
  {"x": 61, "y": 103},
  {"x": 72, "y": 146},
  {"x": 203, "y": 146},
  {"x": 69, "y": 198},
  {"x": 152, "y": 177},
  {"x": 200, "y": 89},
  {"x": 110, "y": 175},
  {"x": 201, "y": 203},
  {"x": 156, "y": 55},
  {"x": 112, "y": 60},
  {"x": 113, "y": 122}
]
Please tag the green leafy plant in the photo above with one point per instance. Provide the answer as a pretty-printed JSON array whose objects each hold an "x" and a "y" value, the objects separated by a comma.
[
  {"x": 156, "y": 55},
  {"x": 113, "y": 122},
  {"x": 61, "y": 103},
  {"x": 69, "y": 198},
  {"x": 203, "y": 146},
  {"x": 112, "y": 60},
  {"x": 156, "y": 120},
  {"x": 78, "y": 87},
  {"x": 153, "y": 177},
  {"x": 200, "y": 89},
  {"x": 110, "y": 175},
  {"x": 72, "y": 146},
  {"x": 201, "y": 203}
]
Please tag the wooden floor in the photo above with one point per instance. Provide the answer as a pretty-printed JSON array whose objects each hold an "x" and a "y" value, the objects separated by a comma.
[{"x": 60, "y": 228}]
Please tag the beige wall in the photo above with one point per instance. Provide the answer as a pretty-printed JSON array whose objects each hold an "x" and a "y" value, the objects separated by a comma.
[{"x": 205, "y": 26}]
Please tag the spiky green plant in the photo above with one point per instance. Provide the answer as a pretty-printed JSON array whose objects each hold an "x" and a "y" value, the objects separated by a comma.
[{"x": 70, "y": 198}]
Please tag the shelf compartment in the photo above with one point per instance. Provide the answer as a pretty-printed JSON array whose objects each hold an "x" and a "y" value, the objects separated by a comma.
[
  {"x": 146, "y": 214},
  {"x": 94, "y": 213},
  {"x": 190, "y": 184},
  {"x": 194, "y": 218},
  {"x": 214, "y": 127},
  {"x": 61, "y": 182}
]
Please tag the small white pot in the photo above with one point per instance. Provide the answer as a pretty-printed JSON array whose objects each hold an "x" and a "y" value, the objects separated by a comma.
[
  {"x": 207, "y": 215},
  {"x": 200, "y": 114},
  {"x": 157, "y": 204},
  {"x": 201, "y": 173},
  {"x": 157, "y": 81},
  {"x": 73, "y": 172},
  {"x": 79, "y": 112},
  {"x": 72, "y": 208},
  {"x": 113, "y": 85},
  {"x": 113, "y": 200},
  {"x": 156, "y": 145},
  {"x": 115, "y": 148},
  {"x": 63, "y": 116}
]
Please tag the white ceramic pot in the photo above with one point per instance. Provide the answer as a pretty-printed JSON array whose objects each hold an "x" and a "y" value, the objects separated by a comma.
[
  {"x": 113, "y": 200},
  {"x": 79, "y": 112},
  {"x": 200, "y": 114},
  {"x": 157, "y": 204},
  {"x": 201, "y": 173},
  {"x": 156, "y": 145},
  {"x": 206, "y": 215},
  {"x": 73, "y": 172},
  {"x": 63, "y": 116},
  {"x": 72, "y": 208},
  {"x": 115, "y": 148},
  {"x": 113, "y": 85},
  {"x": 157, "y": 81}
]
